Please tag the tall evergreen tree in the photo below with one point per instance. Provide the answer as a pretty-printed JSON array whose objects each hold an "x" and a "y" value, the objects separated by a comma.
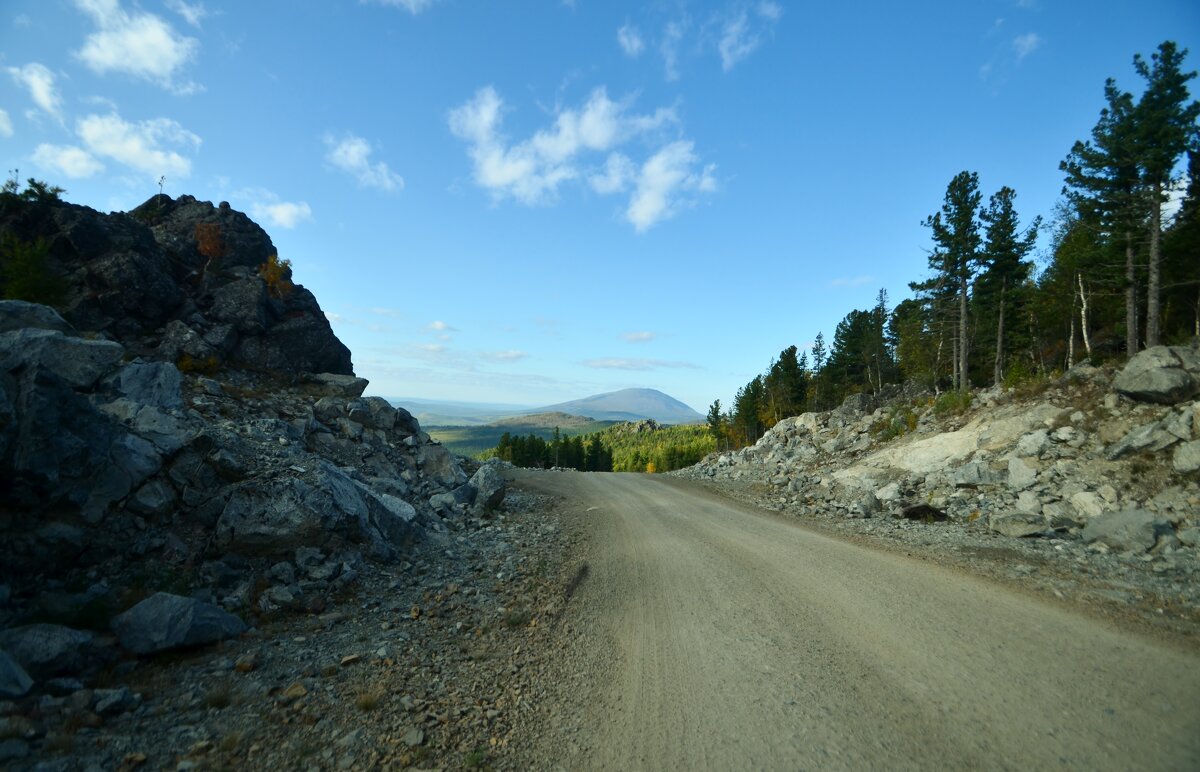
[
  {"x": 1005, "y": 269},
  {"x": 1104, "y": 186},
  {"x": 1165, "y": 129},
  {"x": 956, "y": 251}
]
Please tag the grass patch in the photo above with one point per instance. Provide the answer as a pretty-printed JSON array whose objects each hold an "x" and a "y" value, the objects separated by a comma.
[
  {"x": 476, "y": 759},
  {"x": 367, "y": 700},
  {"x": 517, "y": 618}
]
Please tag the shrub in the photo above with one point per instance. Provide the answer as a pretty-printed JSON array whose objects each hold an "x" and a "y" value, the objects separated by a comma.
[
  {"x": 278, "y": 276},
  {"x": 25, "y": 271},
  {"x": 207, "y": 366},
  {"x": 952, "y": 403}
]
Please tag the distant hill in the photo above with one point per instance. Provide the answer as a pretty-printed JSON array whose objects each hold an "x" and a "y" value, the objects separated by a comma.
[
  {"x": 563, "y": 421},
  {"x": 432, "y": 412},
  {"x": 629, "y": 405}
]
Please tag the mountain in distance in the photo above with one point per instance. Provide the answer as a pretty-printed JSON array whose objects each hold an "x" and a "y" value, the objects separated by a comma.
[
  {"x": 432, "y": 412},
  {"x": 629, "y": 405}
]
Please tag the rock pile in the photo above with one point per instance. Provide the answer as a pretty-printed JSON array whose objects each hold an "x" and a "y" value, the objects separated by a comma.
[{"x": 186, "y": 449}]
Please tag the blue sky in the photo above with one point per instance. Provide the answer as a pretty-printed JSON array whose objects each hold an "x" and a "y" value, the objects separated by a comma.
[{"x": 527, "y": 202}]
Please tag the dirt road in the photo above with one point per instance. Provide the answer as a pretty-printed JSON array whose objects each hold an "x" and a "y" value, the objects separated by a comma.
[{"x": 712, "y": 636}]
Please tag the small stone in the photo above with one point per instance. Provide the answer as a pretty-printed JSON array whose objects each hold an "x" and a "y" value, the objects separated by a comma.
[
  {"x": 1018, "y": 524},
  {"x": 350, "y": 659},
  {"x": 246, "y": 662},
  {"x": 414, "y": 737},
  {"x": 295, "y": 691}
]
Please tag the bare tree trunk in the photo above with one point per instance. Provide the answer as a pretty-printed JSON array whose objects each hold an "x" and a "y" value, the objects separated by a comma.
[
  {"x": 998, "y": 371},
  {"x": 1071, "y": 346},
  {"x": 963, "y": 349},
  {"x": 954, "y": 380},
  {"x": 1083, "y": 317},
  {"x": 1153, "y": 280},
  {"x": 1131, "y": 313}
]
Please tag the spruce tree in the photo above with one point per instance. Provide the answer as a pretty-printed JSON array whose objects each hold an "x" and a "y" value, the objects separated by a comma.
[
  {"x": 956, "y": 241},
  {"x": 1005, "y": 269}
]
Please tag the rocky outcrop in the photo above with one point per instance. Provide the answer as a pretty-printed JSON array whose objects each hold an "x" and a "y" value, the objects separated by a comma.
[
  {"x": 179, "y": 278},
  {"x": 1060, "y": 465}
]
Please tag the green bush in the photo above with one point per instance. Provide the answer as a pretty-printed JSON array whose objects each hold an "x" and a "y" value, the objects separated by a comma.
[
  {"x": 952, "y": 403},
  {"x": 26, "y": 273}
]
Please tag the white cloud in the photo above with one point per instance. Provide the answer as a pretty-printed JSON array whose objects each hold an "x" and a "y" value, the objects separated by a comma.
[
  {"x": 440, "y": 326},
  {"x": 505, "y": 356},
  {"x": 412, "y": 6},
  {"x": 1026, "y": 44},
  {"x": 139, "y": 145},
  {"x": 742, "y": 33},
  {"x": 73, "y": 162},
  {"x": 192, "y": 13},
  {"x": 6, "y": 127},
  {"x": 851, "y": 281},
  {"x": 267, "y": 208},
  {"x": 639, "y": 337},
  {"x": 669, "y": 48},
  {"x": 616, "y": 363},
  {"x": 136, "y": 43},
  {"x": 618, "y": 172},
  {"x": 38, "y": 80},
  {"x": 668, "y": 181},
  {"x": 431, "y": 348},
  {"x": 532, "y": 171},
  {"x": 630, "y": 40},
  {"x": 353, "y": 156},
  {"x": 771, "y": 11}
]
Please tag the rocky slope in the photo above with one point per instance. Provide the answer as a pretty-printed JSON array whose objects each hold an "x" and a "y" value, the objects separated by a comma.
[
  {"x": 1096, "y": 474},
  {"x": 186, "y": 453}
]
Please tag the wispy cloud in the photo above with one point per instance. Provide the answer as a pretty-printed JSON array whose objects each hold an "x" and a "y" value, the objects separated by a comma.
[
  {"x": 352, "y": 155},
  {"x": 638, "y": 337},
  {"x": 618, "y": 363},
  {"x": 412, "y": 6},
  {"x": 391, "y": 312},
  {"x": 136, "y": 43},
  {"x": 1026, "y": 44},
  {"x": 145, "y": 146},
  {"x": 505, "y": 356},
  {"x": 742, "y": 33},
  {"x": 851, "y": 281},
  {"x": 39, "y": 81},
  {"x": 668, "y": 48},
  {"x": 192, "y": 13},
  {"x": 440, "y": 326},
  {"x": 667, "y": 182},
  {"x": 267, "y": 207},
  {"x": 6, "y": 126},
  {"x": 532, "y": 171},
  {"x": 630, "y": 40},
  {"x": 68, "y": 160}
]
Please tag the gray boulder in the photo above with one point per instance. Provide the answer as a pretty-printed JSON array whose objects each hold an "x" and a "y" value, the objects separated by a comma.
[
  {"x": 1163, "y": 374},
  {"x": 437, "y": 463},
  {"x": 156, "y": 384},
  {"x": 1132, "y": 530},
  {"x": 1018, "y": 524},
  {"x": 490, "y": 485},
  {"x": 14, "y": 681},
  {"x": 19, "y": 314},
  {"x": 1150, "y": 438},
  {"x": 1187, "y": 457},
  {"x": 335, "y": 385},
  {"x": 45, "y": 650},
  {"x": 77, "y": 361},
  {"x": 164, "y": 621},
  {"x": 973, "y": 475}
]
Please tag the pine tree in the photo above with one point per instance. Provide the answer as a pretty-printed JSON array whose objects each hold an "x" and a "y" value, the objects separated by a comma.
[
  {"x": 1005, "y": 269},
  {"x": 955, "y": 255},
  {"x": 1165, "y": 129}
]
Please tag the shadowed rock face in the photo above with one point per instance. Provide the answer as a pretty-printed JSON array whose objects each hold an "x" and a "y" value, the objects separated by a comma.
[{"x": 144, "y": 279}]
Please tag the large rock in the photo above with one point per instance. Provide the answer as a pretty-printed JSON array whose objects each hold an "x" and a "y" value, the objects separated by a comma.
[
  {"x": 77, "y": 361},
  {"x": 491, "y": 486},
  {"x": 320, "y": 510},
  {"x": 1150, "y": 438},
  {"x": 1163, "y": 374},
  {"x": 437, "y": 463},
  {"x": 19, "y": 314},
  {"x": 14, "y": 681},
  {"x": 155, "y": 384},
  {"x": 45, "y": 650},
  {"x": 1018, "y": 524},
  {"x": 164, "y": 621},
  {"x": 1187, "y": 457},
  {"x": 1132, "y": 530}
]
